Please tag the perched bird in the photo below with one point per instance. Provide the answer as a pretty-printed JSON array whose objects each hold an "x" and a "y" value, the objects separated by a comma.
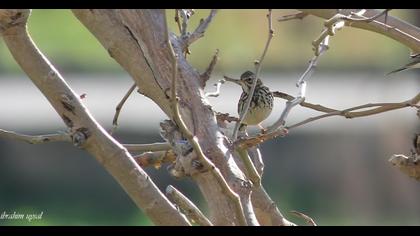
[
  {"x": 261, "y": 103},
  {"x": 415, "y": 63}
]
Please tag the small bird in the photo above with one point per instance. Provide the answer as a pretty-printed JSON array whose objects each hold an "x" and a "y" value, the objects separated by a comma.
[
  {"x": 415, "y": 63},
  {"x": 261, "y": 103}
]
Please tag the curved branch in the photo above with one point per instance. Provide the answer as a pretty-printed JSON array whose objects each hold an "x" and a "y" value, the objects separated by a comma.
[
  {"x": 315, "y": 107},
  {"x": 187, "y": 206},
  {"x": 194, "y": 141},
  {"x": 394, "y": 28},
  {"x": 138, "y": 41},
  {"x": 308, "y": 219},
  {"x": 119, "y": 107},
  {"x": 84, "y": 129}
]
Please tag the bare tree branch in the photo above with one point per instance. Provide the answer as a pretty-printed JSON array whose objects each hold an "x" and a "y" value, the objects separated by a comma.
[
  {"x": 177, "y": 20},
  {"x": 149, "y": 147},
  {"x": 138, "y": 41},
  {"x": 194, "y": 142},
  {"x": 206, "y": 75},
  {"x": 366, "y": 19},
  {"x": 301, "y": 85},
  {"x": 408, "y": 165},
  {"x": 155, "y": 159},
  {"x": 305, "y": 217},
  {"x": 187, "y": 207},
  {"x": 315, "y": 107},
  {"x": 347, "y": 113},
  {"x": 217, "y": 92},
  {"x": 35, "y": 139},
  {"x": 226, "y": 117},
  {"x": 201, "y": 28},
  {"x": 119, "y": 107},
  {"x": 253, "y": 174},
  {"x": 253, "y": 141},
  {"x": 394, "y": 28},
  {"x": 257, "y": 73},
  {"x": 85, "y": 131},
  {"x": 266, "y": 209},
  {"x": 185, "y": 14},
  {"x": 299, "y": 15}
]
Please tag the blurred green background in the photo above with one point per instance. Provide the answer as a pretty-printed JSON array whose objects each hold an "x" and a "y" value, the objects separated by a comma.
[
  {"x": 239, "y": 34},
  {"x": 337, "y": 173}
]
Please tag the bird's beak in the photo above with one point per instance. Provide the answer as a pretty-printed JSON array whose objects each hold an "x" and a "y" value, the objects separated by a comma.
[{"x": 236, "y": 81}]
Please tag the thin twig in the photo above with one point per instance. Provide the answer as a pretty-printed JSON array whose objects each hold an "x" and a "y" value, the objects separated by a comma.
[
  {"x": 366, "y": 19},
  {"x": 415, "y": 63},
  {"x": 337, "y": 22},
  {"x": 347, "y": 113},
  {"x": 254, "y": 84},
  {"x": 155, "y": 159},
  {"x": 194, "y": 142},
  {"x": 184, "y": 25},
  {"x": 252, "y": 172},
  {"x": 299, "y": 15},
  {"x": 243, "y": 153},
  {"x": 315, "y": 107},
  {"x": 381, "y": 107},
  {"x": 249, "y": 142},
  {"x": 217, "y": 92},
  {"x": 177, "y": 20},
  {"x": 305, "y": 217},
  {"x": 35, "y": 139},
  {"x": 257, "y": 159},
  {"x": 206, "y": 75},
  {"x": 320, "y": 44},
  {"x": 301, "y": 84},
  {"x": 149, "y": 147},
  {"x": 395, "y": 28},
  {"x": 119, "y": 107},
  {"x": 187, "y": 207},
  {"x": 201, "y": 28}
]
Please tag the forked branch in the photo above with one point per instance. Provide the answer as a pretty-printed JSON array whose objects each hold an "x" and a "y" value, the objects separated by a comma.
[
  {"x": 194, "y": 142},
  {"x": 187, "y": 207}
]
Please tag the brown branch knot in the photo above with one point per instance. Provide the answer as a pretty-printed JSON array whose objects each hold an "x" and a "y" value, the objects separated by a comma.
[
  {"x": 10, "y": 18},
  {"x": 80, "y": 137}
]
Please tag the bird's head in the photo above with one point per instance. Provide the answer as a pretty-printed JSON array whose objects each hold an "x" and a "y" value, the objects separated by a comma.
[{"x": 246, "y": 81}]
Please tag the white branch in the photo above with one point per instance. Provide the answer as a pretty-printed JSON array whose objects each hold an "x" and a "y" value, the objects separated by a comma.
[{"x": 35, "y": 139}]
